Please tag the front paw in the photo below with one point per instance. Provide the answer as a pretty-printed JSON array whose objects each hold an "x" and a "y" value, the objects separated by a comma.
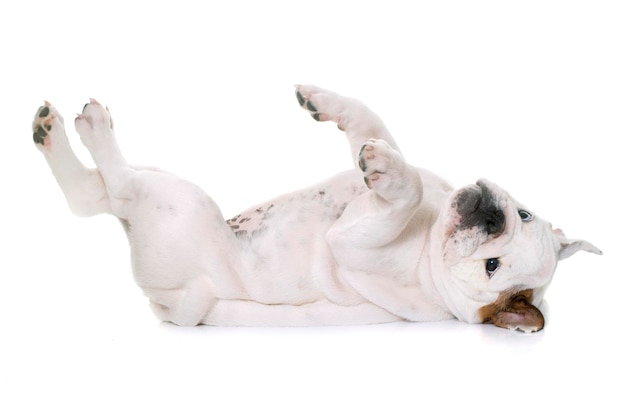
[
  {"x": 382, "y": 166},
  {"x": 322, "y": 104}
]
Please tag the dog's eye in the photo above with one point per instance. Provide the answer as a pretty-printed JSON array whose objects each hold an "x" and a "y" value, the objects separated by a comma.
[
  {"x": 525, "y": 215},
  {"x": 491, "y": 265}
]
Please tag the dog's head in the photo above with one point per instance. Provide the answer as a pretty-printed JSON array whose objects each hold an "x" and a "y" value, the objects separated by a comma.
[{"x": 500, "y": 257}]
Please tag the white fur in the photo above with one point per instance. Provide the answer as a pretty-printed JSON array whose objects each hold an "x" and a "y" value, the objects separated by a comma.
[{"x": 342, "y": 251}]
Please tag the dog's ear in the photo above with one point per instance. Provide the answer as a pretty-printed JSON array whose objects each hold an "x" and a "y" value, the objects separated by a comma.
[
  {"x": 571, "y": 246},
  {"x": 514, "y": 311}
]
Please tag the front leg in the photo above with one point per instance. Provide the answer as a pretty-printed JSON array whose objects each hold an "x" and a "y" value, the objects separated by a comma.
[
  {"x": 352, "y": 116},
  {"x": 376, "y": 241},
  {"x": 387, "y": 173},
  {"x": 376, "y": 218}
]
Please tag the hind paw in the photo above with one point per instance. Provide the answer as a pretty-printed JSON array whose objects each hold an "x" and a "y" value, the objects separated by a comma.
[
  {"x": 94, "y": 124},
  {"x": 47, "y": 122}
]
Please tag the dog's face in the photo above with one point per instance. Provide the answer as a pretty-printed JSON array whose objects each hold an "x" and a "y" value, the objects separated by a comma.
[{"x": 500, "y": 257}]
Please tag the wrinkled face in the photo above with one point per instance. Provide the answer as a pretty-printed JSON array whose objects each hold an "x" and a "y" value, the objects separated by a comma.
[{"x": 500, "y": 257}]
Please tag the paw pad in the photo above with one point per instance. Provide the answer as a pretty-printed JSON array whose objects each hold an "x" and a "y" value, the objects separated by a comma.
[
  {"x": 40, "y": 134},
  {"x": 306, "y": 104},
  {"x": 44, "y": 111},
  {"x": 42, "y": 124},
  {"x": 379, "y": 163}
]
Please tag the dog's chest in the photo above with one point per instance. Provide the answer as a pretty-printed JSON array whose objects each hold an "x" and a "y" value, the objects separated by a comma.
[
  {"x": 282, "y": 242},
  {"x": 301, "y": 213}
]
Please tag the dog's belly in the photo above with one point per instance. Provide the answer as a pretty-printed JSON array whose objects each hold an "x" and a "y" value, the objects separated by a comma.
[{"x": 284, "y": 256}]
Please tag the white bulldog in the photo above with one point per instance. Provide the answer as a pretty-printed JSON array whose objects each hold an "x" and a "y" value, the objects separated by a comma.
[{"x": 383, "y": 242}]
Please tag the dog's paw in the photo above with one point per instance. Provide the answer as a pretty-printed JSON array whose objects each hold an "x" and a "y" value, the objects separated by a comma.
[
  {"x": 323, "y": 105},
  {"x": 47, "y": 123},
  {"x": 382, "y": 166},
  {"x": 94, "y": 121}
]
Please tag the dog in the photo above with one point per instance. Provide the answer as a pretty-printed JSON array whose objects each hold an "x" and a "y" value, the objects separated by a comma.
[{"x": 382, "y": 242}]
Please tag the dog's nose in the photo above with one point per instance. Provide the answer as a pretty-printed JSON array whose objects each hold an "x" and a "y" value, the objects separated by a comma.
[{"x": 488, "y": 212}]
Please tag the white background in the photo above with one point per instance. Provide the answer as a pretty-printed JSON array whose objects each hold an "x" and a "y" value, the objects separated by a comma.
[{"x": 528, "y": 94}]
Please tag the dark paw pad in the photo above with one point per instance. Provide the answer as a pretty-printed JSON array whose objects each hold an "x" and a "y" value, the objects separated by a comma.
[
  {"x": 301, "y": 99},
  {"x": 39, "y": 134},
  {"x": 41, "y": 125},
  {"x": 306, "y": 104},
  {"x": 311, "y": 107},
  {"x": 44, "y": 111}
]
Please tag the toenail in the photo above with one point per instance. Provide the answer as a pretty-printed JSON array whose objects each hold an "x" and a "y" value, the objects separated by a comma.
[
  {"x": 316, "y": 116},
  {"x": 44, "y": 112},
  {"x": 311, "y": 107}
]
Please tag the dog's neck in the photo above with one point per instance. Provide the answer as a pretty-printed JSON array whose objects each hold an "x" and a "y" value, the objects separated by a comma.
[{"x": 440, "y": 283}]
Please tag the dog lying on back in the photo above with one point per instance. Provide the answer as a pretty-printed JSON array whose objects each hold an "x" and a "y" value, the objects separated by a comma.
[{"x": 382, "y": 242}]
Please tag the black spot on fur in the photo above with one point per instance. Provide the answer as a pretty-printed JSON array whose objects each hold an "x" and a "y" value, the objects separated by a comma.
[
  {"x": 267, "y": 213},
  {"x": 341, "y": 210},
  {"x": 45, "y": 111},
  {"x": 233, "y": 219},
  {"x": 241, "y": 233}
]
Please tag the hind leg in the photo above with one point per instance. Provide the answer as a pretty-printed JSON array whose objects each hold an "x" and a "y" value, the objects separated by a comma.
[
  {"x": 180, "y": 244},
  {"x": 83, "y": 187},
  {"x": 186, "y": 306},
  {"x": 95, "y": 127},
  {"x": 352, "y": 116}
]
